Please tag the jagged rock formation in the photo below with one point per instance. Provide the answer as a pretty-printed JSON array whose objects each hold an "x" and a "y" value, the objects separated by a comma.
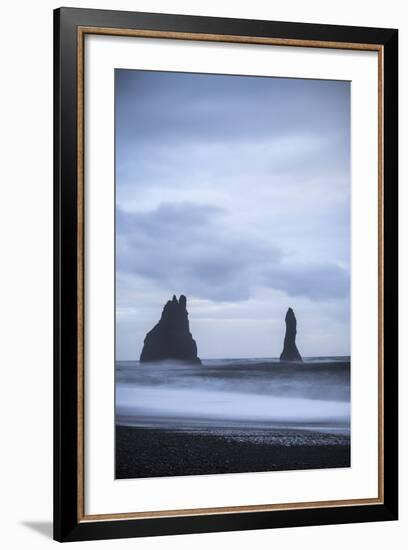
[
  {"x": 290, "y": 351},
  {"x": 171, "y": 338}
]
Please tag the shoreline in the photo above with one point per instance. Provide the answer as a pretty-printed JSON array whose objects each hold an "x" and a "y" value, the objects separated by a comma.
[{"x": 155, "y": 452}]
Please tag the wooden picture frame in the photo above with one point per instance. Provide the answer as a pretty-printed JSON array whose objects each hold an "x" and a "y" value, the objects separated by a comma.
[{"x": 70, "y": 519}]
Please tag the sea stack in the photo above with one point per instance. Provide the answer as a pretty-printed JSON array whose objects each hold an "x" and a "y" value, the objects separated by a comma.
[
  {"x": 290, "y": 351},
  {"x": 171, "y": 339}
]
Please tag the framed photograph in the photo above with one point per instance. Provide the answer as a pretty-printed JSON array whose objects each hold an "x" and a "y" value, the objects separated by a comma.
[{"x": 225, "y": 274}]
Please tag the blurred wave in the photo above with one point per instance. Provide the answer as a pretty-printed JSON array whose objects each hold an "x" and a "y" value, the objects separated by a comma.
[{"x": 236, "y": 394}]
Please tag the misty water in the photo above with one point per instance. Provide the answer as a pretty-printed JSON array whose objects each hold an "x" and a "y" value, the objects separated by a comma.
[{"x": 258, "y": 399}]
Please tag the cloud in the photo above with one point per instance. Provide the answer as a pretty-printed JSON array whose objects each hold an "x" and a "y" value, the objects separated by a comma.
[
  {"x": 213, "y": 108},
  {"x": 317, "y": 282},
  {"x": 187, "y": 247}
]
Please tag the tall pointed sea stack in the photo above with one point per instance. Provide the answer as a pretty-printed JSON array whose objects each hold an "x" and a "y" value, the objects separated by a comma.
[
  {"x": 171, "y": 338},
  {"x": 290, "y": 351}
]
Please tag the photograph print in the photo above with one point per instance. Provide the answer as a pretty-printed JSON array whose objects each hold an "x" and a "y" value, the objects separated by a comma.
[{"x": 232, "y": 274}]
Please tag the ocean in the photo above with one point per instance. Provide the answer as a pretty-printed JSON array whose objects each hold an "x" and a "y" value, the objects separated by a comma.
[{"x": 260, "y": 400}]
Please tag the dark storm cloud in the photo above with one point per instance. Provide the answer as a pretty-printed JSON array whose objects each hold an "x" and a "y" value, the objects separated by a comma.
[
  {"x": 207, "y": 107},
  {"x": 185, "y": 245},
  {"x": 159, "y": 112}
]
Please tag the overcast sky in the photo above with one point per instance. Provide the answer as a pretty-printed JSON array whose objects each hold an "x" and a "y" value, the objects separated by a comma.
[{"x": 234, "y": 191}]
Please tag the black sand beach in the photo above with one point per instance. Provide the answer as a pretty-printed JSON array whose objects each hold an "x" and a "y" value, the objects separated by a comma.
[{"x": 150, "y": 452}]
